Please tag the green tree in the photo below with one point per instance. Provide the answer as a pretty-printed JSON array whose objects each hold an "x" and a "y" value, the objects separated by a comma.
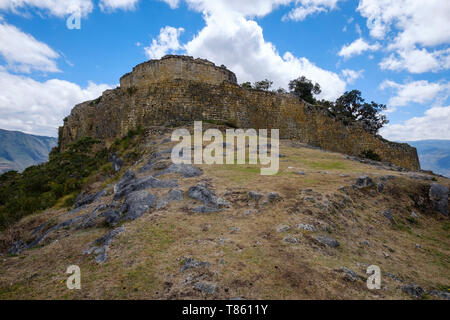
[
  {"x": 304, "y": 89},
  {"x": 263, "y": 85},
  {"x": 352, "y": 107},
  {"x": 246, "y": 85}
]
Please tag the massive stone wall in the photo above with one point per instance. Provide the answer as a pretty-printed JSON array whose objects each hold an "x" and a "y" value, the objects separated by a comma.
[
  {"x": 173, "y": 67},
  {"x": 182, "y": 100}
]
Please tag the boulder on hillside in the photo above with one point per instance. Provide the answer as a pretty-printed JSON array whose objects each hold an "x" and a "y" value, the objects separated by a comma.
[{"x": 439, "y": 196}]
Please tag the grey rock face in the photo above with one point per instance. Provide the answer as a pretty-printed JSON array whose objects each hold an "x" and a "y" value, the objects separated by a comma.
[
  {"x": 256, "y": 196},
  {"x": 137, "y": 203},
  {"x": 413, "y": 290},
  {"x": 290, "y": 239},
  {"x": 273, "y": 196},
  {"x": 191, "y": 263},
  {"x": 64, "y": 224},
  {"x": 330, "y": 242},
  {"x": 306, "y": 227},
  {"x": 388, "y": 215},
  {"x": 129, "y": 184},
  {"x": 100, "y": 246},
  {"x": 205, "y": 287},
  {"x": 202, "y": 193},
  {"x": 206, "y": 209},
  {"x": 380, "y": 187},
  {"x": 439, "y": 195},
  {"x": 283, "y": 228},
  {"x": 85, "y": 199},
  {"x": 116, "y": 162},
  {"x": 16, "y": 248},
  {"x": 440, "y": 294},
  {"x": 349, "y": 274},
  {"x": 173, "y": 195},
  {"x": 90, "y": 220},
  {"x": 364, "y": 182},
  {"x": 112, "y": 217},
  {"x": 185, "y": 170}
]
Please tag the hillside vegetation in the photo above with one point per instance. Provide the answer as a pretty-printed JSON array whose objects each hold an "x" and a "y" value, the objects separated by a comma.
[{"x": 143, "y": 228}]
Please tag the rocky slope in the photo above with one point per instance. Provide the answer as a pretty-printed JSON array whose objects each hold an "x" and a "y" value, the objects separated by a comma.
[
  {"x": 19, "y": 150},
  {"x": 149, "y": 229}
]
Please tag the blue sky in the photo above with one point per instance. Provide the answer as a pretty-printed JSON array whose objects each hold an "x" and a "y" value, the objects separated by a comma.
[{"x": 395, "y": 52}]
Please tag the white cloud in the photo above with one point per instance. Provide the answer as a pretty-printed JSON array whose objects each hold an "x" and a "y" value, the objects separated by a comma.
[
  {"x": 57, "y": 8},
  {"x": 415, "y": 92},
  {"x": 24, "y": 53},
  {"x": 111, "y": 5},
  {"x": 172, "y": 3},
  {"x": 305, "y": 8},
  {"x": 417, "y": 61},
  {"x": 167, "y": 42},
  {"x": 410, "y": 26},
  {"x": 39, "y": 107},
  {"x": 435, "y": 124},
  {"x": 232, "y": 39},
  {"x": 357, "y": 47},
  {"x": 351, "y": 75}
]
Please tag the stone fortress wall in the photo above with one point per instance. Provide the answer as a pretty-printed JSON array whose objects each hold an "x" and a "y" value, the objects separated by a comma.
[{"x": 178, "y": 90}]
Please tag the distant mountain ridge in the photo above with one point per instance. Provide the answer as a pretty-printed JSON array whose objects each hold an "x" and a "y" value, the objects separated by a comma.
[
  {"x": 434, "y": 155},
  {"x": 19, "y": 150}
]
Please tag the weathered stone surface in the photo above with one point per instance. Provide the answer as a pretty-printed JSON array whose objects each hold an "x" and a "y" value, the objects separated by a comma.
[
  {"x": 116, "y": 162},
  {"x": 306, "y": 227},
  {"x": 173, "y": 195},
  {"x": 129, "y": 184},
  {"x": 439, "y": 196},
  {"x": 179, "y": 89},
  {"x": 136, "y": 204},
  {"x": 85, "y": 199},
  {"x": 17, "y": 247},
  {"x": 273, "y": 196},
  {"x": 388, "y": 215},
  {"x": 191, "y": 263},
  {"x": 202, "y": 193},
  {"x": 283, "y": 228},
  {"x": 413, "y": 290},
  {"x": 90, "y": 220},
  {"x": 440, "y": 294},
  {"x": 99, "y": 247},
  {"x": 330, "y": 242},
  {"x": 291, "y": 240},
  {"x": 205, "y": 287},
  {"x": 112, "y": 217},
  {"x": 364, "y": 182},
  {"x": 185, "y": 170},
  {"x": 349, "y": 275},
  {"x": 68, "y": 223},
  {"x": 256, "y": 196}
]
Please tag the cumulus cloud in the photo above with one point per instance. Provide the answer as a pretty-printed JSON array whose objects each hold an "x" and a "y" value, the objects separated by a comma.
[
  {"x": 305, "y": 8},
  {"x": 231, "y": 38},
  {"x": 435, "y": 124},
  {"x": 39, "y": 107},
  {"x": 351, "y": 75},
  {"x": 357, "y": 47},
  {"x": 415, "y": 92},
  {"x": 411, "y": 26},
  {"x": 54, "y": 7},
  {"x": 111, "y": 5},
  {"x": 417, "y": 61},
  {"x": 167, "y": 42},
  {"x": 23, "y": 53}
]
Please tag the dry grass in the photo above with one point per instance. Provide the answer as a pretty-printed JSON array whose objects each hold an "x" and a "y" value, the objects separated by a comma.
[{"x": 254, "y": 262}]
